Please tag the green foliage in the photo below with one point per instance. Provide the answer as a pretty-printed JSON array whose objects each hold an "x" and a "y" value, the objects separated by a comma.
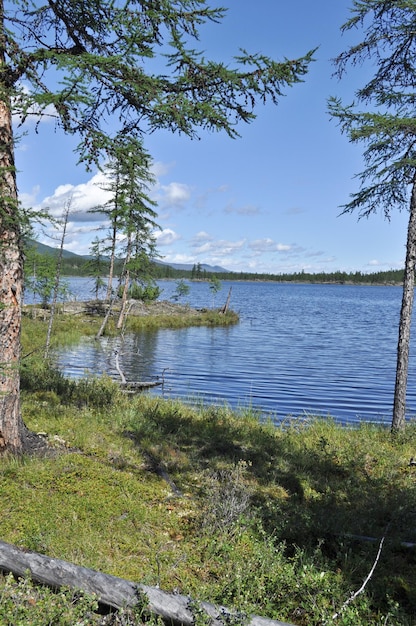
[
  {"x": 97, "y": 266},
  {"x": 183, "y": 318},
  {"x": 40, "y": 376},
  {"x": 130, "y": 212},
  {"x": 75, "y": 265},
  {"x": 24, "y": 604},
  {"x": 90, "y": 76},
  {"x": 182, "y": 290},
  {"x": 385, "y": 125},
  {"x": 215, "y": 286},
  {"x": 41, "y": 276},
  {"x": 148, "y": 292}
]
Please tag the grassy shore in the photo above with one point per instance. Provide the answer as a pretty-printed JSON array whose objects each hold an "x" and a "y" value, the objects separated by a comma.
[{"x": 281, "y": 520}]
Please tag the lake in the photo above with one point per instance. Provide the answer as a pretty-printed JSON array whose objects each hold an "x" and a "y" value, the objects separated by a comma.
[{"x": 298, "y": 350}]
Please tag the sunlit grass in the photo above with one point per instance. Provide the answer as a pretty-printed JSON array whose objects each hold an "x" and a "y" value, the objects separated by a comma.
[
  {"x": 216, "y": 504},
  {"x": 207, "y": 317},
  {"x": 282, "y": 520},
  {"x": 70, "y": 329}
]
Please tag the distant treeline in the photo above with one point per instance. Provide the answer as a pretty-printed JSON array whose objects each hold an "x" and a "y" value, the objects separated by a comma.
[{"x": 78, "y": 266}]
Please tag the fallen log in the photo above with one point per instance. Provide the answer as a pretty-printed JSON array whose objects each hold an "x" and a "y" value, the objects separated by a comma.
[
  {"x": 133, "y": 387},
  {"x": 174, "y": 609},
  {"x": 137, "y": 386}
]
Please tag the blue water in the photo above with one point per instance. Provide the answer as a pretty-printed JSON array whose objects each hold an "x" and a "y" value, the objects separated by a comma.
[{"x": 298, "y": 350}]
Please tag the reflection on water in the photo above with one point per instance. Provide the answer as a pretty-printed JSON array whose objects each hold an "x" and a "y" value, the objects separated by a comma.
[{"x": 319, "y": 349}]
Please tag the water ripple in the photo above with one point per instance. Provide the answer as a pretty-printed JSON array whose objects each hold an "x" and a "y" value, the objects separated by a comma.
[{"x": 316, "y": 349}]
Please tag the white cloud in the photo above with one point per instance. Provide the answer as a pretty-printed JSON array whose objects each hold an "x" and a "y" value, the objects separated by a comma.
[
  {"x": 179, "y": 258},
  {"x": 201, "y": 236},
  {"x": 174, "y": 195},
  {"x": 218, "y": 248},
  {"x": 166, "y": 237},
  {"x": 81, "y": 199},
  {"x": 29, "y": 199},
  {"x": 269, "y": 245},
  {"x": 161, "y": 169}
]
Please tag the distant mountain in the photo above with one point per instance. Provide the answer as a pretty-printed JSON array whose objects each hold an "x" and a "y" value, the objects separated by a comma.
[
  {"x": 44, "y": 249},
  {"x": 188, "y": 267}
]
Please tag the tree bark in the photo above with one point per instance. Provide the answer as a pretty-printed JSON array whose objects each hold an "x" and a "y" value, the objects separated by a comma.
[
  {"x": 11, "y": 269},
  {"x": 399, "y": 407},
  {"x": 227, "y": 304},
  {"x": 174, "y": 609}
]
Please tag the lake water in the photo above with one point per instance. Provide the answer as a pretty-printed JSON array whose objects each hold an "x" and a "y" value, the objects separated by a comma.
[{"x": 298, "y": 350}]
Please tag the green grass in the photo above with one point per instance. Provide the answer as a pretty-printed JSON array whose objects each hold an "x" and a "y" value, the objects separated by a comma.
[
  {"x": 266, "y": 519},
  {"x": 218, "y": 505},
  {"x": 69, "y": 329},
  {"x": 207, "y": 317}
]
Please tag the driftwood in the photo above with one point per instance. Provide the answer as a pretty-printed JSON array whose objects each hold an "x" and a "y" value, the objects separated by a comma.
[
  {"x": 174, "y": 609},
  {"x": 133, "y": 387},
  {"x": 137, "y": 386}
]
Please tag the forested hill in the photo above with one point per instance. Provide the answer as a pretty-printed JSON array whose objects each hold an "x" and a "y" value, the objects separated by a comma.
[
  {"x": 74, "y": 265},
  {"x": 77, "y": 265}
]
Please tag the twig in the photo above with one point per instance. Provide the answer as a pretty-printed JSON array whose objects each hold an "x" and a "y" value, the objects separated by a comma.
[{"x": 361, "y": 589}]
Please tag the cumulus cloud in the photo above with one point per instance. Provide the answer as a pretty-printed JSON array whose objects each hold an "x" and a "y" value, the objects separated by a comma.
[
  {"x": 173, "y": 195},
  {"x": 202, "y": 236},
  {"x": 81, "y": 199},
  {"x": 166, "y": 237},
  {"x": 219, "y": 248}
]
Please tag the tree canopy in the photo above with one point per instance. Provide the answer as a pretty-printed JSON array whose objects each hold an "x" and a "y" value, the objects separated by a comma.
[{"x": 87, "y": 62}]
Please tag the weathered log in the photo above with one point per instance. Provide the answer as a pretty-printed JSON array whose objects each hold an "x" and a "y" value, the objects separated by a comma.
[
  {"x": 133, "y": 387},
  {"x": 138, "y": 385},
  {"x": 174, "y": 609},
  {"x": 227, "y": 304}
]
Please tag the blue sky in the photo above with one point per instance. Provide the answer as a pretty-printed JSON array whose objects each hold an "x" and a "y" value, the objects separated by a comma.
[{"x": 267, "y": 202}]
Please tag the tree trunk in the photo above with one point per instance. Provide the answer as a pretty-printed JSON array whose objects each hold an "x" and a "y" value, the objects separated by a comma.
[
  {"x": 126, "y": 274},
  {"x": 227, "y": 304},
  {"x": 399, "y": 408},
  {"x": 173, "y": 609},
  {"x": 112, "y": 261},
  {"x": 11, "y": 268}
]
